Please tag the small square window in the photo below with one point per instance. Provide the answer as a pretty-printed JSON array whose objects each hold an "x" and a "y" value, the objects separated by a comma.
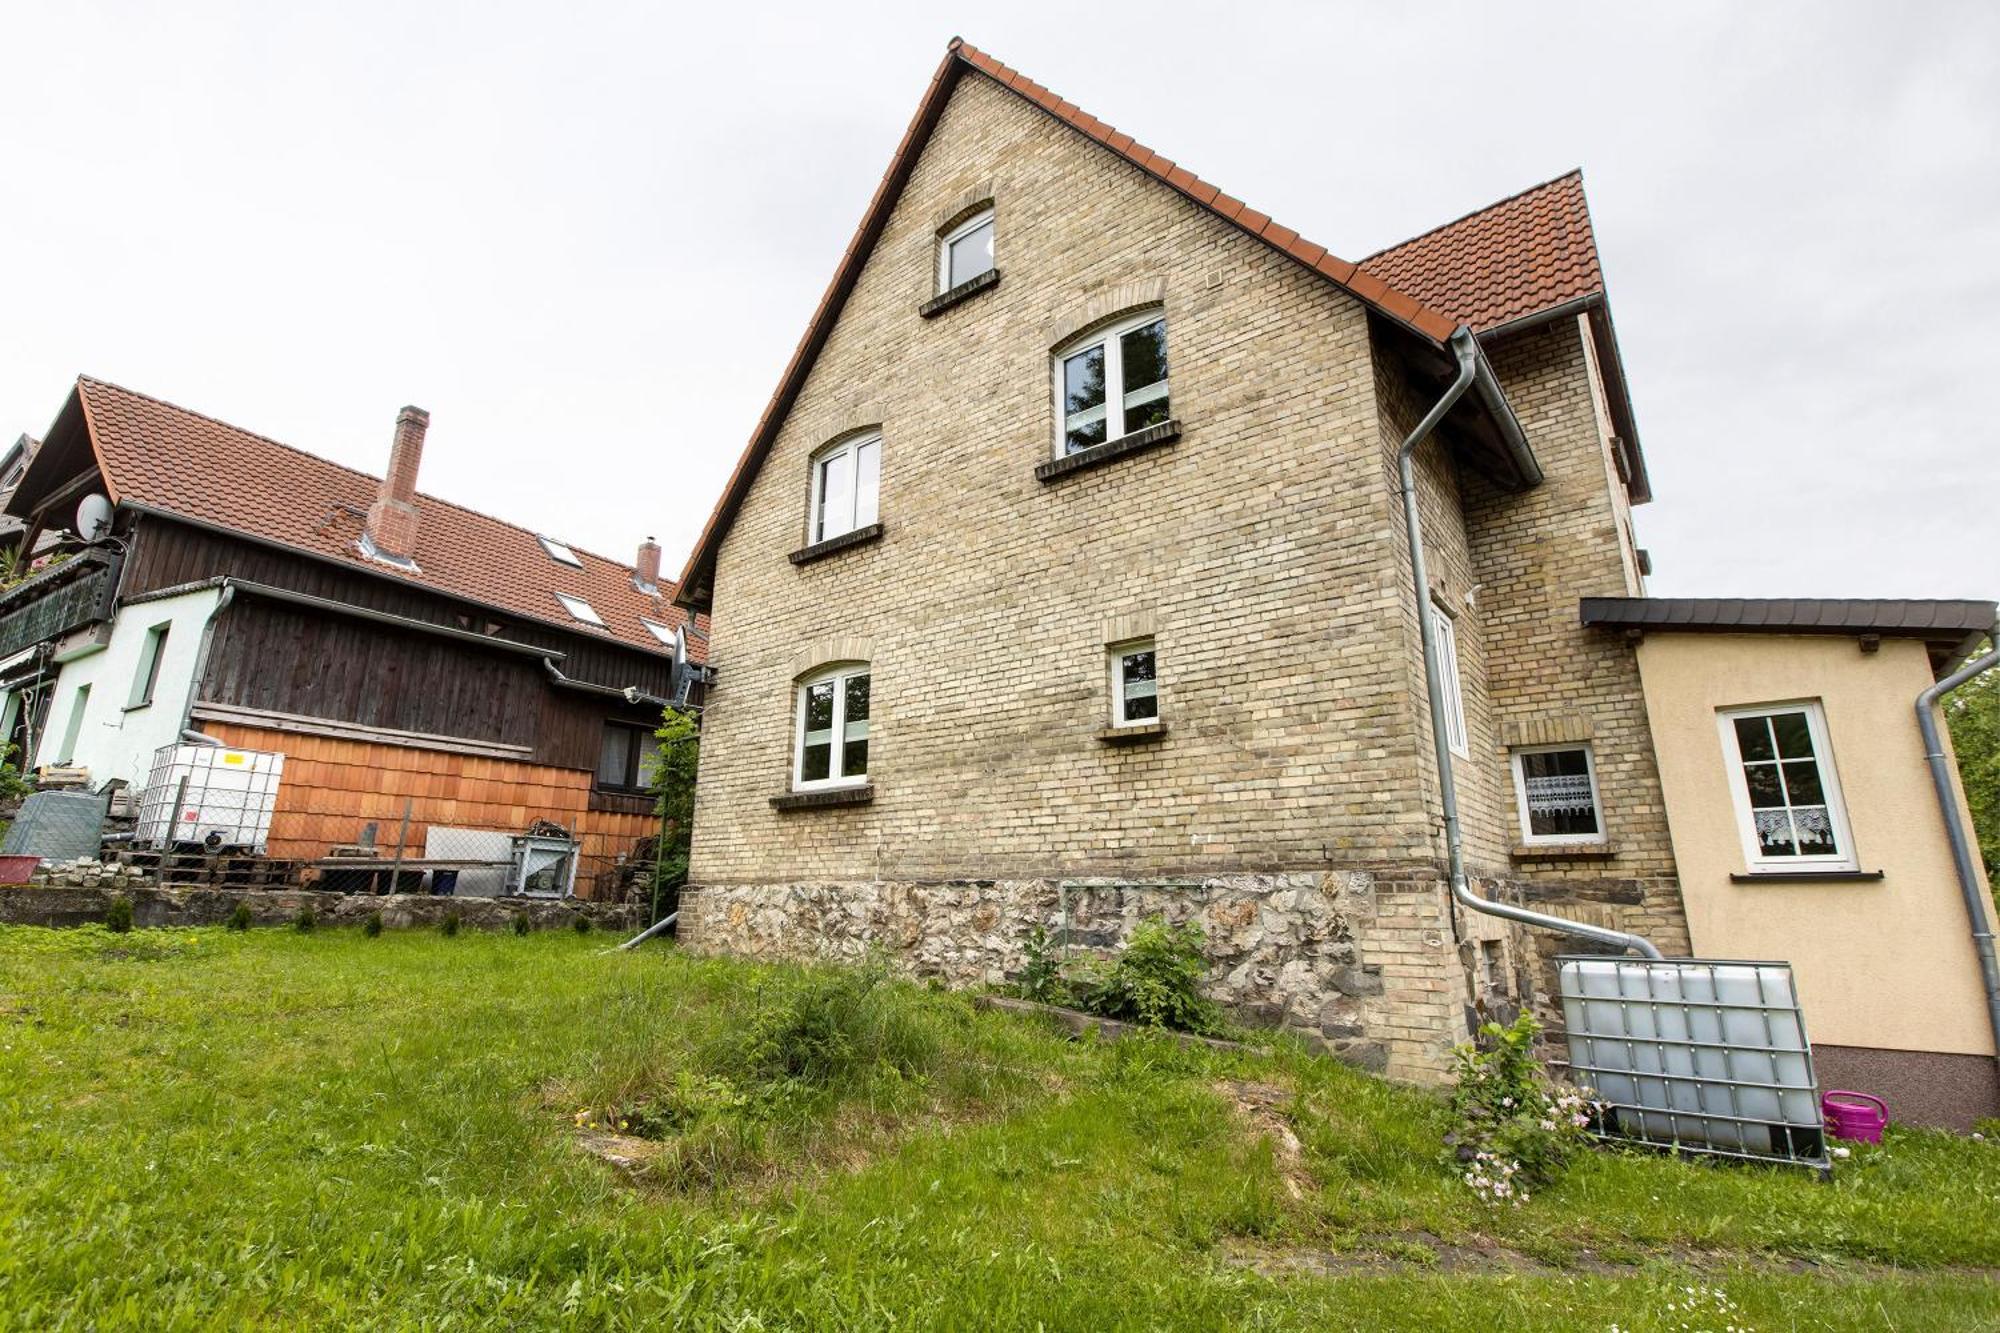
[
  {"x": 966, "y": 251},
  {"x": 580, "y": 609},
  {"x": 1135, "y": 686},
  {"x": 1555, "y": 787},
  {"x": 626, "y": 757}
]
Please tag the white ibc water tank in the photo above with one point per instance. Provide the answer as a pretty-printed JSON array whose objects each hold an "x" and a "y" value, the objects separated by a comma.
[{"x": 210, "y": 794}]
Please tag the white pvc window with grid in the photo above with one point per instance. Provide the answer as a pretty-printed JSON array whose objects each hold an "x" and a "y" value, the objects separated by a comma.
[{"x": 1787, "y": 795}]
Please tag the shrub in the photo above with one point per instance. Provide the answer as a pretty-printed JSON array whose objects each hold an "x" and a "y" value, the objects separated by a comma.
[
  {"x": 1042, "y": 977},
  {"x": 118, "y": 916},
  {"x": 373, "y": 925},
  {"x": 240, "y": 918},
  {"x": 581, "y": 925},
  {"x": 1157, "y": 980},
  {"x": 1516, "y": 1127},
  {"x": 827, "y": 1030},
  {"x": 521, "y": 926},
  {"x": 449, "y": 926},
  {"x": 304, "y": 921}
]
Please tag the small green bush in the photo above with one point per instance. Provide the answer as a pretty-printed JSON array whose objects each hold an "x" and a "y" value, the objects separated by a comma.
[
  {"x": 1042, "y": 977},
  {"x": 828, "y": 1030},
  {"x": 1157, "y": 980},
  {"x": 452, "y": 921},
  {"x": 581, "y": 925},
  {"x": 1516, "y": 1127},
  {"x": 373, "y": 925},
  {"x": 521, "y": 926},
  {"x": 118, "y": 916},
  {"x": 240, "y": 918},
  {"x": 304, "y": 922}
]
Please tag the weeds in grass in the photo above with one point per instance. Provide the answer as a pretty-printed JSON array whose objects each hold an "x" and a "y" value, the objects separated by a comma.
[
  {"x": 521, "y": 926},
  {"x": 239, "y": 919},
  {"x": 450, "y": 925},
  {"x": 304, "y": 921},
  {"x": 1156, "y": 980},
  {"x": 1516, "y": 1126},
  {"x": 582, "y": 924},
  {"x": 118, "y": 916},
  {"x": 373, "y": 925}
]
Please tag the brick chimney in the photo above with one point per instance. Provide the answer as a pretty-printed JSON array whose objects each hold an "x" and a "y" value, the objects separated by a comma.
[
  {"x": 646, "y": 571},
  {"x": 392, "y": 519}
]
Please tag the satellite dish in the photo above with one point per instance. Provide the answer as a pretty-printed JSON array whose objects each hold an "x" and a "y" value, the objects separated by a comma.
[{"x": 93, "y": 518}]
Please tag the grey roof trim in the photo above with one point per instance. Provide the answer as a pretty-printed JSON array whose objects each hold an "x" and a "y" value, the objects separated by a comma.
[{"x": 1935, "y": 621}]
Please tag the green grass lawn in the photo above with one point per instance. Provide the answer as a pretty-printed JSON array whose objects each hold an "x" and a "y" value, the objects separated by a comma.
[{"x": 200, "y": 1129}]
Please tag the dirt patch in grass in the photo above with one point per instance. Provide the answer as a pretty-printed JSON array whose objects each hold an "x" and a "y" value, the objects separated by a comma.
[
  {"x": 1262, "y": 1106},
  {"x": 1405, "y": 1254}
]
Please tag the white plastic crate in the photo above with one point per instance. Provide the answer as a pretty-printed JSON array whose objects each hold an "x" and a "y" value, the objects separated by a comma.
[{"x": 228, "y": 797}]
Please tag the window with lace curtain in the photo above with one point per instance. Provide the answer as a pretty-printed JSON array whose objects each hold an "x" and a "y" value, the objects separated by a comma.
[
  {"x": 1787, "y": 794},
  {"x": 1555, "y": 787}
]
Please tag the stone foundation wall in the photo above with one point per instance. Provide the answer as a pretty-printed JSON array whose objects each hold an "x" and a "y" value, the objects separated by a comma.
[
  {"x": 76, "y": 905},
  {"x": 1361, "y": 963}
]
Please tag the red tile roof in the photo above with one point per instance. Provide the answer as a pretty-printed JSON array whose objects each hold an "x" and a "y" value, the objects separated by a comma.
[
  {"x": 168, "y": 458},
  {"x": 1520, "y": 256},
  {"x": 1399, "y": 307}
]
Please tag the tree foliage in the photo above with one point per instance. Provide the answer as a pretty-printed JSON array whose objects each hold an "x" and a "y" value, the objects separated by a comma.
[
  {"x": 1973, "y": 714},
  {"x": 671, "y": 773}
]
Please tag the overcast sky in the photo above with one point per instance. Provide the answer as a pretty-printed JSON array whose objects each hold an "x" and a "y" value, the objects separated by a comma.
[{"x": 586, "y": 238}]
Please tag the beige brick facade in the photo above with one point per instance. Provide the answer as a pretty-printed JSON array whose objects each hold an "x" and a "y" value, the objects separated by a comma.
[{"x": 1263, "y": 551}]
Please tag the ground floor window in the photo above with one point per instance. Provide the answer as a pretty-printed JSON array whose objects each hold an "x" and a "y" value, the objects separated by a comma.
[
  {"x": 832, "y": 746},
  {"x": 626, "y": 757},
  {"x": 1787, "y": 794},
  {"x": 1555, "y": 787}
]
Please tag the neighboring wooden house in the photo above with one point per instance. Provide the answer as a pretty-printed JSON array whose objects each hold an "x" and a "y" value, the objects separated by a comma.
[
  {"x": 395, "y": 647},
  {"x": 1067, "y": 579}
]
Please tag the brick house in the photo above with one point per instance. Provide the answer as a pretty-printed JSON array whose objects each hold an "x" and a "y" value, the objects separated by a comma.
[{"x": 1065, "y": 580}]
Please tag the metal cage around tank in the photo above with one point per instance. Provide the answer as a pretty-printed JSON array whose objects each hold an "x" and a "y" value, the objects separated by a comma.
[{"x": 1698, "y": 1055}]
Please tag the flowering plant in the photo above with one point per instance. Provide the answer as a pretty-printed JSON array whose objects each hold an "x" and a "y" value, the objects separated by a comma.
[{"x": 1515, "y": 1126}]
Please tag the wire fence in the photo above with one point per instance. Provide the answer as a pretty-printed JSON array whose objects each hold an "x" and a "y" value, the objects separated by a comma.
[{"x": 251, "y": 834}]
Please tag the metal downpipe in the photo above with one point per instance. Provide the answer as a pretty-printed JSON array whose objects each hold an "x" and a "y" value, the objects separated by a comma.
[
  {"x": 1469, "y": 366},
  {"x": 1976, "y": 910}
]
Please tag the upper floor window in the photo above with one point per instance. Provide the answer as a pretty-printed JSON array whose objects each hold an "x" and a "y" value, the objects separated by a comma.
[
  {"x": 966, "y": 251},
  {"x": 1112, "y": 383},
  {"x": 152, "y": 653},
  {"x": 1787, "y": 795},
  {"x": 846, "y": 479},
  {"x": 558, "y": 551},
  {"x": 1555, "y": 787},
  {"x": 1135, "y": 686},
  {"x": 832, "y": 747},
  {"x": 580, "y": 609},
  {"x": 1451, "y": 695}
]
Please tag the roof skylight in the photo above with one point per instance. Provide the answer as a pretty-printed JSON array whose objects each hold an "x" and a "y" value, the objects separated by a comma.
[
  {"x": 580, "y": 609},
  {"x": 659, "y": 631},
  {"x": 558, "y": 552}
]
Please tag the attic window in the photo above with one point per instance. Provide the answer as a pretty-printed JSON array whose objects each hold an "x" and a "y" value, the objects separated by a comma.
[
  {"x": 580, "y": 609},
  {"x": 562, "y": 555},
  {"x": 658, "y": 631}
]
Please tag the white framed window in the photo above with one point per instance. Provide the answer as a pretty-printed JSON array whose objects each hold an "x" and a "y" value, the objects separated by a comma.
[
  {"x": 151, "y": 654},
  {"x": 1555, "y": 788},
  {"x": 846, "y": 481},
  {"x": 1787, "y": 794},
  {"x": 966, "y": 251},
  {"x": 831, "y": 745},
  {"x": 1112, "y": 383},
  {"x": 1135, "y": 685},
  {"x": 580, "y": 609},
  {"x": 658, "y": 631},
  {"x": 1444, "y": 630},
  {"x": 558, "y": 552}
]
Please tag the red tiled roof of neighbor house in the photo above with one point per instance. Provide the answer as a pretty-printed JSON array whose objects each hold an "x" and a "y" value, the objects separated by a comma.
[
  {"x": 191, "y": 466},
  {"x": 1525, "y": 254},
  {"x": 1396, "y": 305}
]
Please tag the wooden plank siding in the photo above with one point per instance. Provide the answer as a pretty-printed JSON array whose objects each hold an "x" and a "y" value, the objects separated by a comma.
[
  {"x": 166, "y": 554},
  {"x": 332, "y": 788}
]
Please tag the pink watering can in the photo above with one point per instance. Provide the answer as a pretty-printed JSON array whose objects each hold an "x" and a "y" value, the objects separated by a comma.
[{"x": 1855, "y": 1115}]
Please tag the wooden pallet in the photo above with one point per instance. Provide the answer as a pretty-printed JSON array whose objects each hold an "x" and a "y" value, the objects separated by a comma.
[{"x": 226, "y": 869}]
